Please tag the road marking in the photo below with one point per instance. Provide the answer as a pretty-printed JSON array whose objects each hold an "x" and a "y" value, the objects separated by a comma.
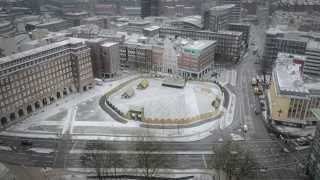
[{"x": 79, "y": 151}]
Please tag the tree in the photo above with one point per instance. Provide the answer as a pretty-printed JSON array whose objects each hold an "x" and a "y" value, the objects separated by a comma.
[
  {"x": 103, "y": 159},
  {"x": 149, "y": 159},
  {"x": 233, "y": 160}
]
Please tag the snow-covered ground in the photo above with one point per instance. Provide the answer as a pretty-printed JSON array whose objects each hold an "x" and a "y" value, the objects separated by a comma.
[
  {"x": 81, "y": 116},
  {"x": 166, "y": 102}
]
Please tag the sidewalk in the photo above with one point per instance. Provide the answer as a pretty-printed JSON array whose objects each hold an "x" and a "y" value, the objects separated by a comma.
[{"x": 109, "y": 129}]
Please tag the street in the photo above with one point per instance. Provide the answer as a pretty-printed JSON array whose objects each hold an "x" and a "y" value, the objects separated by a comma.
[{"x": 278, "y": 164}]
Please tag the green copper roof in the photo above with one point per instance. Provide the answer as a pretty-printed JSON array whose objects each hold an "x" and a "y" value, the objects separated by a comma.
[{"x": 316, "y": 113}]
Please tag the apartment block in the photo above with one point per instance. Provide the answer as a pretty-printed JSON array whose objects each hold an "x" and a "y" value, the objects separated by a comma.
[
  {"x": 32, "y": 79},
  {"x": 217, "y": 18}
]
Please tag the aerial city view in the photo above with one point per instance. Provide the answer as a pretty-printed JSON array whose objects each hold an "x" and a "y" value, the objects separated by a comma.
[{"x": 159, "y": 89}]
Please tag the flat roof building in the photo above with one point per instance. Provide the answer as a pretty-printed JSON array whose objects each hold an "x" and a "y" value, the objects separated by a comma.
[
  {"x": 291, "y": 98},
  {"x": 196, "y": 58},
  {"x": 150, "y": 8},
  {"x": 32, "y": 79},
  {"x": 278, "y": 40},
  {"x": 217, "y": 17},
  {"x": 229, "y": 43},
  {"x": 235, "y": 11}
]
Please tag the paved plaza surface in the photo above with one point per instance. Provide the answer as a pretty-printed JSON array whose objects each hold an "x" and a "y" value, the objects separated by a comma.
[{"x": 166, "y": 102}]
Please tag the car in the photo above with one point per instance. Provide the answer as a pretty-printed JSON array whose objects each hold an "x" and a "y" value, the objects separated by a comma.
[
  {"x": 26, "y": 143},
  {"x": 256, "y": 111}
]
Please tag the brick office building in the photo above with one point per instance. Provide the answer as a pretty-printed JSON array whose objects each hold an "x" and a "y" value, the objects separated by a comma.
[{"x": 32, "y": 79}]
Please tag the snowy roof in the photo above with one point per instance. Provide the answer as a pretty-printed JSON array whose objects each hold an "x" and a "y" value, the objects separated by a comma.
[
  {"x": 288, "y": 76},
  {"x": 93, "y": 18},
  {"x": 51, "y": 22},
  {"x": 109, "y": 44},
  {"x": 194, "y": 20},
  {"x": 199, "y": 45},
  {"x": 40, "y": 49},
  {"x": 313, "y": 44},
  {"x": 237, "y": 33},
  {"x": 152, "y": 28},
  {"x": 76, "y": 13},
  {"x": 222, "y": 8}
]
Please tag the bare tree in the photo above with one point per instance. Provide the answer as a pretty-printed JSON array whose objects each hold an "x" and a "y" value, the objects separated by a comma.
[
  {"x": 149, "y": 158},
  {"x": 103, "y": 159},
  {"x": 233, "y": 160}
]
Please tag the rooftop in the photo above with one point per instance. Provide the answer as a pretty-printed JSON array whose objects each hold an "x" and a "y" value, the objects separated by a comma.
[
  {"x": 109, "y": 44},
  {"x": 51, "y": 22},
  {"x": 236, "y": 33},
  {"x": 222, "y": 8},
  {"x": 199, "y": 45},
  {"x": 40, "y": 49},
  {"x": 195, "y": 20},
  {"x": 286, "y": 33},
  {"x": 152, "y": 28},
  {"x": 93, "y": 18},
  {"x": 76, "y": 13},
  {"x": 312, "y": 44},
  {"x": 289, "y": 76}
]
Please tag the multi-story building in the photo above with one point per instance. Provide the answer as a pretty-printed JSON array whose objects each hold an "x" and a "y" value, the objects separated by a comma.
[
  {"x": 235, "y": 11},
  {"x": 130, "y": 11},
  {"x": 196, "y": 58},
  {"x": 314, "y": 160},
  {"x": 312, "y": 63},
  {"x": 277, "y": 41},
  {"x": 310, "y": 22},
  {"x": 136, "y": 55},
  {"x": 217, "y": 18},
  {"x": 250, "y": 6},
  {"x": 51, "y": 25},
  {"x": 105, "y": 9},
  {"x": 150, "y": 8},
  {"x": 188, "y": 22},
  {"x": 229, "y": 43},
  {"x": 241, "y": 27},
  {"x": 76, "y": 17},
  {"x": 102, "y": 22},
  {"x": 32, "y": 79},
  {"x": 291, "y": 99},
  {"x": 105, "y": 57}
]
